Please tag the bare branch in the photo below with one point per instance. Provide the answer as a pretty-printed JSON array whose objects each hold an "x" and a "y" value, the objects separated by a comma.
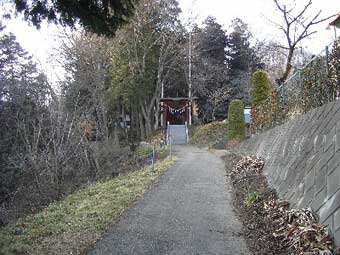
[
  {"x": 281, "y": 47},
  {"x": 298, "y": 16},
  {"x": 324, "y": 19},
  {"x": 279, "y": 6},
  {"x": 296, "y": 28},
  {"x": 306, "y": 35}
]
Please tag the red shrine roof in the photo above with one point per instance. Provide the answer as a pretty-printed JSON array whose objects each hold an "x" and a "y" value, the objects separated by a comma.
[{"x": 177, "y": 98}]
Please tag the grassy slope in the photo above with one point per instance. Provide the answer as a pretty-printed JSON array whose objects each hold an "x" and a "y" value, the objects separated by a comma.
[
  {"x": 74, "y": 224},
  {"x": 209, "y": 134}
]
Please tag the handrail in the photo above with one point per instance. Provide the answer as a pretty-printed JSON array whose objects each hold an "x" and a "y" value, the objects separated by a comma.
[
  {"x": 168, "y": 132},
  {"x": 187, "y": 131}
]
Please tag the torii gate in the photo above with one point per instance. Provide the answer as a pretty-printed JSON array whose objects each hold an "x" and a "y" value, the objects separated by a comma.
[{"x": 176, "y": 110}]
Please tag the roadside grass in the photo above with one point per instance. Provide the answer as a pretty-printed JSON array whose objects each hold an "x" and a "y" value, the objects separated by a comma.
[
  {"x": 144, "y": 151},
  {"x": 73, "y": 225}
]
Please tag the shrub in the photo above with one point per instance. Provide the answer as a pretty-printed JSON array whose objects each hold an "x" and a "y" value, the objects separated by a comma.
[
  {"x": 261, "y": 88},
  {"x": 237, "y": 126}
]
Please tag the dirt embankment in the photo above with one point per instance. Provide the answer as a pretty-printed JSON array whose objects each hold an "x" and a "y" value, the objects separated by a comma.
[{"x": 269, "y": 225}]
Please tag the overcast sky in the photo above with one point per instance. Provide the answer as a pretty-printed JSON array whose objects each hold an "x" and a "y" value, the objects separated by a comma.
[{"x": 256, "y": 13}]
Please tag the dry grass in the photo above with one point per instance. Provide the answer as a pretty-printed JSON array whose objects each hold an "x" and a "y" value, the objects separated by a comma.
[
  {"x": 210, "y": 134},
  {"x": 74, "y": 224}
]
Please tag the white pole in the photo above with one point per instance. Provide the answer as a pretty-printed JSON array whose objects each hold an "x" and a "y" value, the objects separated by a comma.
[
  {"x": 190, "y": 84},
  {"x": 170, "y": 148},
  {"x": 162, "y": 105}
]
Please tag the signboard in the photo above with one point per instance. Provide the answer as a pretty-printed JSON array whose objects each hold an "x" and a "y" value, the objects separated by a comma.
[{"x": 247, "y": 114}]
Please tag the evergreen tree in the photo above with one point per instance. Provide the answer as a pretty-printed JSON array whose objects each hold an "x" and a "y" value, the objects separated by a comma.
[
  {"x": 242, "y": 60},
  {"x": 236, "y": 122},
  {"x": 210, "y": 69},
  {"x": 239, "y": 51},
  {"x": 102, "y": 17}
]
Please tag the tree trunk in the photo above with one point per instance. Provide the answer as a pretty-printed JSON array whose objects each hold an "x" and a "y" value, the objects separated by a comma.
[
  {"x": 213, "y": 110},
  {"x": 135, "y": 123},
  {"x": 148, "y": 124},
  {"x": 288, "y": 66},
  {"x": 156, "y": 110},
  {"x": 141, "y": 126},
  {"x": 116, "y": 137},
  {"x": 147, "y": 111},
  {"x": 213, "y": 114}
]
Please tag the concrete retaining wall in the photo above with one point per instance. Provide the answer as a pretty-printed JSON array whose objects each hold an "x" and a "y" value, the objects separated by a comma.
[{"x": 303, "y": 162}]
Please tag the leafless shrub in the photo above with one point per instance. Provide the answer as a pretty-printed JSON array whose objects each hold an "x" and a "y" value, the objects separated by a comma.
[{"x": 55, "y": 159}]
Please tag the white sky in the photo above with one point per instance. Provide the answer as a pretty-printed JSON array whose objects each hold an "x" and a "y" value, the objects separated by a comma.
[
  {"x": 256, "y": 13},
  {"x": 42, "y": 44}
]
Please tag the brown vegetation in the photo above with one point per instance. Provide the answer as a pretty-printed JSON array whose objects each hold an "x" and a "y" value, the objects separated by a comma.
[{"x": 269, "y": 225}]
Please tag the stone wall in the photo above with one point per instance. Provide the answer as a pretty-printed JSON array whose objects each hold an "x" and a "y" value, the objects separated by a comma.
[{"x": 303, "y": 162}]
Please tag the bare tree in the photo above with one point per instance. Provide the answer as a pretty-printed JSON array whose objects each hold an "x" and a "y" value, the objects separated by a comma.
[
  {"x": 87, "y": 58},
  {"x": 296, "y": 26}
]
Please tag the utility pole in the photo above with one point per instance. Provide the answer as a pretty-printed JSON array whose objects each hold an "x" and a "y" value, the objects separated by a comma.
[
  {"x": 190, "y": 82},
  {"x": 162, "y": 104}
]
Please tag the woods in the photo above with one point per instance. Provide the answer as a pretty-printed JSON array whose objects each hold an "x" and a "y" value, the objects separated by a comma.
[{"x": 53, "y": 142}]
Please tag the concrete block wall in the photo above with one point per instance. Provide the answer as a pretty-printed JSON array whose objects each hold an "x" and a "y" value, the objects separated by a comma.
[{"x": 303, "y": 162}]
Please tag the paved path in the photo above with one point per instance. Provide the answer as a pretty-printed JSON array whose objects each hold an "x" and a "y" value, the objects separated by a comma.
[{"x": 189, "y": 212}]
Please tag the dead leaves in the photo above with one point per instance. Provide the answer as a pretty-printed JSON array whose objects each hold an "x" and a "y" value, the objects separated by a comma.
[
  {"x": 297, "y": 230},
  {"x": 248, "y": 165}
]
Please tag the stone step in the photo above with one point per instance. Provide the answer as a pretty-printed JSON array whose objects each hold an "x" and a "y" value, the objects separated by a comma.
[{"x": 178, "y": 134}]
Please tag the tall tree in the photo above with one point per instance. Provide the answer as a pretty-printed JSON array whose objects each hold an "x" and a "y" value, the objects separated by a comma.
[
  {"x": 242, "y": 60},
  {"x": 210, "y": 69},
  {"x": 239, "y": 51},
  {"x": 24, "y": 95},
  {"x": 102, "y": 17},
  {"x": 148, "y": 48},
  {"x": 176, "y": 84},
  {"x": 87, "y": 59}
]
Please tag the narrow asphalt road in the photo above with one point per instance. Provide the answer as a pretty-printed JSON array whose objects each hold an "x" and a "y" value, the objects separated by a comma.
[{"x": 189, "y": 212}]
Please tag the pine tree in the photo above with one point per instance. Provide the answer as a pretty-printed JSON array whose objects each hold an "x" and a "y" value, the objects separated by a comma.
[
  {"x": 210, "y": 78},
  {"x": 102, "y": 17},
  {"x": 242, "y": 60}
]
